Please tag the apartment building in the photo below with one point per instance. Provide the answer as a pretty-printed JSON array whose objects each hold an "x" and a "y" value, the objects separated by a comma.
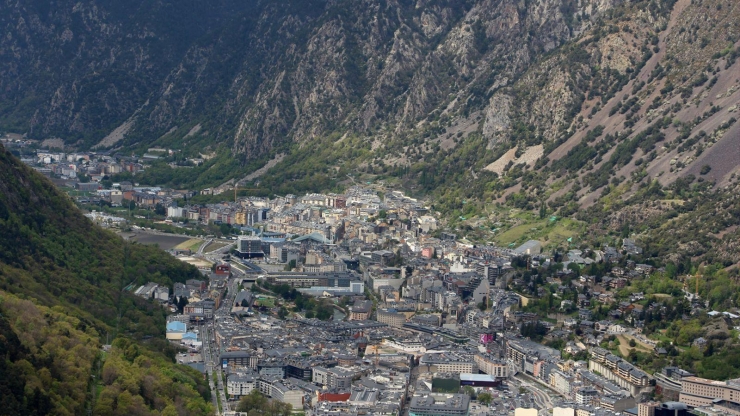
[{"x": 491, "y": 365}]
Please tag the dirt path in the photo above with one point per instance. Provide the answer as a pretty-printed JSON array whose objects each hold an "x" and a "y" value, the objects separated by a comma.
[{"x": 624, "y": 346}]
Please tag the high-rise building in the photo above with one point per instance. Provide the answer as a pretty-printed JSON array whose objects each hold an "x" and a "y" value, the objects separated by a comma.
[{"x": 249, "y": 247}]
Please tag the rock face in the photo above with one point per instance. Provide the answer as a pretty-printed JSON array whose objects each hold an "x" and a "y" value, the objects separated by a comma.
[
  {"x": 427, "y": 89},
  {"x": 256, "y": 75},
  {"x": 497, "y": 118}
]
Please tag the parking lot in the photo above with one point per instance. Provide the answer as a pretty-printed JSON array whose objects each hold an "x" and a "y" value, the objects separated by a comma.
[{"x": 186, "y": 358}]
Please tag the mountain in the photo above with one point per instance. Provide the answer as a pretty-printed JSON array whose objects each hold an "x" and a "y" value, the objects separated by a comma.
[
  {"x": 62, "y": 282},
  {"x": 510, "y": 99}
]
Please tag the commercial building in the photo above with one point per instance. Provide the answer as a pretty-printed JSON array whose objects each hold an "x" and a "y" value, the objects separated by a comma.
[
  {"x": 478, "y": 380},
  {"x": 697, "y": 391},
  {"x": 439, "y": 405},
  {"x": 249, "y": 247},
  {"x": 680, "y": 409},
  {"x": 175, "y": 330},
  {"x": 320, "y": 282},
  {"x": 446, "y": 362},
  {"x": 333, "y": 378},
  {"x": 238, "y": 359}
]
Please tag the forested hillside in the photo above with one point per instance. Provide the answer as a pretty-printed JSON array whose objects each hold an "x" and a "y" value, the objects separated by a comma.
[{"x": 61, "y": 296}]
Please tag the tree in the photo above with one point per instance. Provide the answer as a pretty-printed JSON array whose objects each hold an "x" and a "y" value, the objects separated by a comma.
[
  {"x": 485, "y": 398},
  {"x": 256, "y": 403},
  {"x": 470, "y": 391},
  {"x": 252, "y": 401},
  {"x": 159, "y": 209},
  {"x": 181, "y": 303},
  {"x": 324, "y": 313},
  {"x": 632, "y": 343}
]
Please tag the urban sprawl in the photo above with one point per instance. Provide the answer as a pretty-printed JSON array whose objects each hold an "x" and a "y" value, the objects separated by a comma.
[{"x": 359, "y": 304}]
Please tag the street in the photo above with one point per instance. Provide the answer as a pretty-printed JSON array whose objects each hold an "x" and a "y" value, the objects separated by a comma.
[{"x": 211, "y": 351}]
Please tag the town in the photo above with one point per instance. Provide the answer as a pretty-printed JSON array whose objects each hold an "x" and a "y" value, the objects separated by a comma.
[{"x": 362, "y": 303}]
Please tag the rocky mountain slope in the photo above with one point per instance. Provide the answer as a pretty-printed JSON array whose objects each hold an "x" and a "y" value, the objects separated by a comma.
[{"x": 433, "y": 94}]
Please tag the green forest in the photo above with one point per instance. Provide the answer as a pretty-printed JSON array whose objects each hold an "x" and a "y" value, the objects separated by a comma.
[{"x": 62, "y": 293}]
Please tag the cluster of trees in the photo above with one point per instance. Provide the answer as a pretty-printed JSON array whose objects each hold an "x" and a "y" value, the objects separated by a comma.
[
  {"x": 135, "y": 380},
  {"x": 533, "y": 330},
  {"x": 77, "y": 275},
  {"x": 255, "y": 403},
  {"x": 313, "y": 308}
]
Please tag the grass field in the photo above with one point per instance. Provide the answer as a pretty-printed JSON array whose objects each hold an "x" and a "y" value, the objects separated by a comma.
[
  {"x": 551, "y": 233},
  {"x": 192, "y": 244},
  {"x": 265, "y": 301},
  {"x": 215, "y": 245},
  {"x": 624, "y": 345},
  {"x": 165, "y": 242}
]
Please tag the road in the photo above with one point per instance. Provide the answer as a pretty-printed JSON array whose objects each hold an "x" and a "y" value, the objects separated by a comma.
[
  {"x": 203, "y": 246},
  {"x": 541, "y": 397},
  {"x": 212, "y": 351},
  {"x": 208, "y": 360}
]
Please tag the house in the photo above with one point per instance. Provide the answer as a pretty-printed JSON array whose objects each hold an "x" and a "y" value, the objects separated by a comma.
[
  {"x": 602, "y": 326},
  {"x": 700, "y": 342},
  {"x": 644, "y": 269},
  {"x": 616, "y": 329},
  {"x": 629, "y": 246},
  {"x": 585, "y": 314}
]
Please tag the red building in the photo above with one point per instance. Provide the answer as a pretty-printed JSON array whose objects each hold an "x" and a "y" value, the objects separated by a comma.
[
  {"x": 333, "y": 396},
  {"x": 223, "y": 270}
]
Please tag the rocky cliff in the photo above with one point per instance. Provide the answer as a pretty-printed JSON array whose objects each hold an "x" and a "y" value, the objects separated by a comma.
[{"x": 451, "y": 84}]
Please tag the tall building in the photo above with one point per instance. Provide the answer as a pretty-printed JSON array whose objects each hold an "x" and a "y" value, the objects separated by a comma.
[{"x": 249, "y": 247}]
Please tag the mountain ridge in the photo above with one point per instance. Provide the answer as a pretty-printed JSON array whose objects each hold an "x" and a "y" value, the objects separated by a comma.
[{"x": 422, "y": 91}]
